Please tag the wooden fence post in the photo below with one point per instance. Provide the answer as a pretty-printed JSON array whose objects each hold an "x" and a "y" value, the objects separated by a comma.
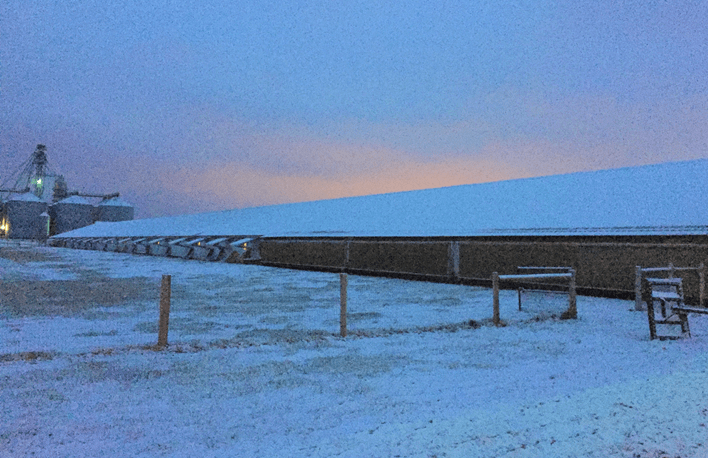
[
  {"x": 638, "y": 302},
  {"x": 572, "y": 297},
  {"x": 165, "y": 293},
  {"x": 343, "y": 304},
  {"x": 495, "y": 302}
]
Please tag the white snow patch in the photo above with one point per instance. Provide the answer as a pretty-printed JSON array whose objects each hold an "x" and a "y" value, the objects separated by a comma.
[
  {"x": 74, "y": 200},
  {"x": 24, "y": 197},
  {"x": 255, "y": 368},
  {"x": 114, "y": 202}
]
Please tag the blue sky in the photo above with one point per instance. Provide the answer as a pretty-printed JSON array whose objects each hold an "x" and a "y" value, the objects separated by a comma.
[{"x": 195, "y": 106}]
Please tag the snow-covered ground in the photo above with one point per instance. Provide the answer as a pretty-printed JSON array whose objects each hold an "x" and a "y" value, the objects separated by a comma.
[{"x": 255, "y": 367}]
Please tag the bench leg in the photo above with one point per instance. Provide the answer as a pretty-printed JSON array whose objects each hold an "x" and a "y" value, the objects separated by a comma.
[
  {"x": 519, "y": 292},
  {"x": 684, "y": 324},
  {"x": 652, "y": 321}
]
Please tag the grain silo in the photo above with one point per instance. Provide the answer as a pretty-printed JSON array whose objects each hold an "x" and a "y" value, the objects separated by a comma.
[
  {"x": 25, "y": 217},
  {"x": 69, "y": 210},
  {"x": 113, "y": 210},
  {"x": 71, "y": 213}
]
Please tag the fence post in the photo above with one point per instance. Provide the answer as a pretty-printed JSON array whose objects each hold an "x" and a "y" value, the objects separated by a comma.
[
  {"x": 495, "y": 301},
  {"x": 572, "y": 298},
  {"x": 165, "y": 293},
  {"x": 343, "y": 304},
  {"x": 638, "y": 289},
  {"x": 671, "y": 270}
]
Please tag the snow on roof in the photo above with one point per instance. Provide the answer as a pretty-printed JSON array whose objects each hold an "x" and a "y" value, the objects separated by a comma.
[
  {"x": 77, "y": 200},
  {"x": 654, "y": 199},
  {"x": 114, "y": 202},
  {"x": 24, "y": 197}
]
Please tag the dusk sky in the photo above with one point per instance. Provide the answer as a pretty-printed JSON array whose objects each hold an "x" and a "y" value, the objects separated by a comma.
[{"x": 185, "y": 107}]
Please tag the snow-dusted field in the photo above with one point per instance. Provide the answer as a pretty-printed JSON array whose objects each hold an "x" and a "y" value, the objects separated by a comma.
[{"x": 255, "y": 367}]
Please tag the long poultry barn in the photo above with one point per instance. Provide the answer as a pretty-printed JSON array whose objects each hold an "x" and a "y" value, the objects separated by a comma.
[{"x": 603, "y": 224}]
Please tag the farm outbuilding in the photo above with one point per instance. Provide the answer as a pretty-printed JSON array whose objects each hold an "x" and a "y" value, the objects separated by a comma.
[{"x": 603, "y": 224}]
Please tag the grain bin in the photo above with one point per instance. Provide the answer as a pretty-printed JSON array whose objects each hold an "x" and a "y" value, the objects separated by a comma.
[
  {"x": 25, "y": 217},
  {"x": 113, "y": 210},
  {"x": 71, "y": 213}
]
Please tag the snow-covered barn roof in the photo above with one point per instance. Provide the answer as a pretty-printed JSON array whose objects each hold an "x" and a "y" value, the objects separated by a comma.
[
  {"x": 74, "y": 200},
  {"x": 668, "y": 198},
  {"x": 24, "y": 197},
  {"x": 114, "y": 202}
]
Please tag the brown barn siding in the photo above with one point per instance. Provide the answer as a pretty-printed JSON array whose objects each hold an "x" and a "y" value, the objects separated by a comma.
[
  {"x": 314, "y": 253},
  {"x": 604, "y": 265},
  {"x": 428, "y": 258}
]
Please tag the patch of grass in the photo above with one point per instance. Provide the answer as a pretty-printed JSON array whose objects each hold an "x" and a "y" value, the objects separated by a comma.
[
  {"x": 102, "y": 351},
  {"x": 96, "y": 334},
  {"x": 30, "y": 356}
]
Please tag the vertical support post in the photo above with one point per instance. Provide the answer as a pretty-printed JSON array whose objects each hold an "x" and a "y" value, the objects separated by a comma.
[
  {"x": 343, "y": 304},
  {"x": 518, "y": 291},
  {"x": 453, "y": 259},
  {"x": 572, "y": 297},
  {"x": 646, "y": 294},
  {"x": 165, "y": 293},
  {"x": 347, "y": 244},
  {"x": 701, "y": 284},
  {"x": 638, "y": 289},
  {"x": 671, "y": 270},
  {"x": 495, "y": 301}
]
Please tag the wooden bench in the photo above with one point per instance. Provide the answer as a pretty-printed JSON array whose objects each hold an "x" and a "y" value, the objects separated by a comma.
[
  {"x": 538, "y": 273},
  {"x": 669, "y": 293}
]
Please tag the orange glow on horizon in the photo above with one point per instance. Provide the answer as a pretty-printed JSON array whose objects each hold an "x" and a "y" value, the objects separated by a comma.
[
  {"x": 238, "y": 185},
  {"x": 235, "y": 185},
  {"x": 326, "y": 170}
]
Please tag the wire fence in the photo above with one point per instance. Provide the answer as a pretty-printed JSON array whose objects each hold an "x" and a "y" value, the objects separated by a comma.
[{"x": 72, "y": 301}]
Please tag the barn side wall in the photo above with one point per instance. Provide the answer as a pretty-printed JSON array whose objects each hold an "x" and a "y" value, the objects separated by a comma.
[{"x": 605, "y": 265}]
